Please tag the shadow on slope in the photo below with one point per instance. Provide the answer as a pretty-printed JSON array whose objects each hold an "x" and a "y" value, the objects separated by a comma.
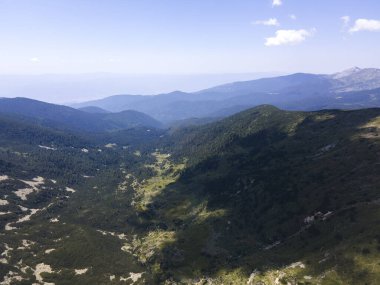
[{"x": 243, "y": 201}]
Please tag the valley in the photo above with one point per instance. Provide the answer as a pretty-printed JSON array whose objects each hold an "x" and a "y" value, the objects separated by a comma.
[{"x": 262, "y": 197}]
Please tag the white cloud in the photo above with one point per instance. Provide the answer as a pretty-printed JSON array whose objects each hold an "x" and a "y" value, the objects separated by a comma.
[
  {"x": 34, "y": 59},
  {"x": 269, "y": 22},
  {"x": 288, "y": 37},
  {"x": 293, "y": 17},
  {"x": 346, "y": 20},
  {"x": 276, "y": 3},
  {"x": 365, "y": 25}
]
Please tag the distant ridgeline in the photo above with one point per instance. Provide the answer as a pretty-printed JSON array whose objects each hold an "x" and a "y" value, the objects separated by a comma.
[
  {"x": 354, "y": 88},
  {"x": 62, "y": 117}
]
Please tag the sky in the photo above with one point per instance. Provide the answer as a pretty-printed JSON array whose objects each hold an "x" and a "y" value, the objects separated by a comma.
[{"x": 177, "y": 37}]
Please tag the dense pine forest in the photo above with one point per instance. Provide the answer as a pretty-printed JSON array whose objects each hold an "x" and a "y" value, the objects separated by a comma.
[{"x": 262, "y": 197}]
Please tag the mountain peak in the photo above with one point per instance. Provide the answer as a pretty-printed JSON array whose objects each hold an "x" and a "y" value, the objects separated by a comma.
[
  {"x": 347, "y": 72},
  {"x": 354, "y": 69}
]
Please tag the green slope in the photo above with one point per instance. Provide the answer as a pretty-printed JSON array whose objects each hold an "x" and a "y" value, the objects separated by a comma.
[
  {"x": 262, "y": 173},
  {"x": 262, "y": 197},
  {"x": 69, "y": 119}
]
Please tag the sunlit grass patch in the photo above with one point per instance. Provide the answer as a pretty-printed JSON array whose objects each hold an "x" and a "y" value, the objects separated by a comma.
[
  {"x": 145, "y": 248},
  {"x": 165, "y": 173}
]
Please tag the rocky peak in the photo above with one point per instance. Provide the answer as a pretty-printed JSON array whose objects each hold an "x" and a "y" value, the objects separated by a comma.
[{"x": 348, "y": 72}]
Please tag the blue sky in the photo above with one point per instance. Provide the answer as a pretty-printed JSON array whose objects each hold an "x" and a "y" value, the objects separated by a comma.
[{"x": 187, "y": 36}]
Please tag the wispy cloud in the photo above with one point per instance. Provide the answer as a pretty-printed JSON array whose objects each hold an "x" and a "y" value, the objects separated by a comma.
[
  {"x": 276, "y": 3},
  {"x": 365, "y": 25},
  {"x": 346, "y": 20},
  {"x": 288, "y": 37},
  {"x": 269, "y": 22},
  {"x": 34, "y": 59},
  {"x": 293, "y": 17}
]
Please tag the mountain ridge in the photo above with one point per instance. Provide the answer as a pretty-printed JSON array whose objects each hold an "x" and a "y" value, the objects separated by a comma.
[
  {"x": 60, "y": 116},
  {"x": 283, "y": 91}
]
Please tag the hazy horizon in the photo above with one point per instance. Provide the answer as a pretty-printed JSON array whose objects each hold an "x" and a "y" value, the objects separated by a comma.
[
  {"x": 74, "y": 88},
  {"x": 64, "y": 51}
]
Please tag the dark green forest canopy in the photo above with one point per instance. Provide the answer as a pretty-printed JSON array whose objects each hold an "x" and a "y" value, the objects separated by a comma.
[{"x": 260, "y": 196}]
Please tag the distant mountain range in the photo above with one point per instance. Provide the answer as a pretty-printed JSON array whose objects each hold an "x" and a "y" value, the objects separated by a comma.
[
  {"x": 63, "y": 117},
  {"x": 354, "y": 88},
  {"x": 351, "y": 89},
  {"x": 87, "y": 86}
]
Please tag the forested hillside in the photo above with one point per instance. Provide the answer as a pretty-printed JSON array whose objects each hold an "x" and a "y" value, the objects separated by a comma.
[
  {"x": 70, "y": 119},
  {"x": 262, "y": 197}
]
